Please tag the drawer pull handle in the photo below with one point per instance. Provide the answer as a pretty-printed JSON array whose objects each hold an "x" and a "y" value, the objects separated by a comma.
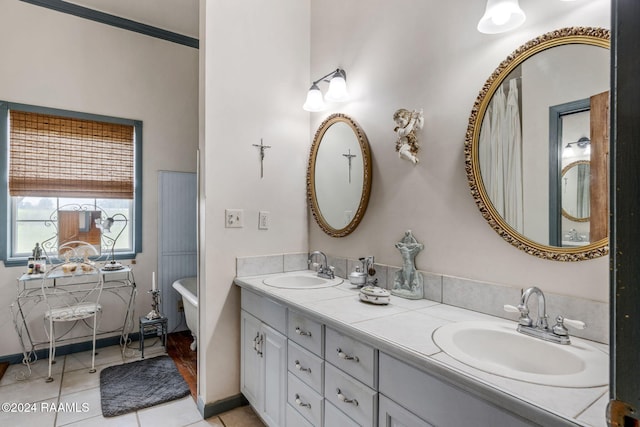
[
  {"x": 301, "y": 403},
  {"x": 345, "y": 356},
  {"x": 343, "y": 398},
  {"x": 303, "y": 333},
  {"x": 300, "y": 368}
]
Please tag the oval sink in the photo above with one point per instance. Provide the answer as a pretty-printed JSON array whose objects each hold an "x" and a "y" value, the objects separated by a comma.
[
  {"x": 301, "y": 280},
  {"x": 499, "y": 349}
]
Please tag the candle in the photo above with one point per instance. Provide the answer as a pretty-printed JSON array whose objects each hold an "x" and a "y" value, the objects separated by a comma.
[{"x": 153, "y": 281}]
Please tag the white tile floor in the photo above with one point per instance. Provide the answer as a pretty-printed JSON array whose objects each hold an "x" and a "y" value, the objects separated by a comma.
[{"x": 75, "y": 389}]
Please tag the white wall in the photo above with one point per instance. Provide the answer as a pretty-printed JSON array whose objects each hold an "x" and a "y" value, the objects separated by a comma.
[
  {"x": 254, "y": 77},
  {"x": 428, "y": 54},
  {"x": 57, "y": 60}
]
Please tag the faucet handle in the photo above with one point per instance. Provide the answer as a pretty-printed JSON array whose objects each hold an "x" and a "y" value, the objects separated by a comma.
[
  {"x": 511, "y": 308},
  {"x": 560, "y": 329},
  {"x": 524, "y": 320},
  {"x": 577, "y": 324}
]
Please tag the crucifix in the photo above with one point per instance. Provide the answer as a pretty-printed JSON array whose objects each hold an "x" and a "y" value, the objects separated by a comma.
[
  {"x": 349, "y": 156},
  {"x": 262, "y": 147}
]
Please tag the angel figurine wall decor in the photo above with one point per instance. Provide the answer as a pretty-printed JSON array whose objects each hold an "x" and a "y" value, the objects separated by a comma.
[{"x": 407, "y": 123}]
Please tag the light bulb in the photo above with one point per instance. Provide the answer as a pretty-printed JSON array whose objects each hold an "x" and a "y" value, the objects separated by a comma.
[
  {"x": 501, "y": 16},
  {"x": 314, "y": 100},
  {"x": 337, "y": 89}
]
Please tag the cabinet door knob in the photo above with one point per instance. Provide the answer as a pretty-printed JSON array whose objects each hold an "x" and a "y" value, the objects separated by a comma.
[
  {"x": 299, "y": 402},
  {"x": 345, "y": 356},
  {"x": 303, "y": 333},
  {"x": 300, "y": 368},
  {"x": 344, "y": 399}
]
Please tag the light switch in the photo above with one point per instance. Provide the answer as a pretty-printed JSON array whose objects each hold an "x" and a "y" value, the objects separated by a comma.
[{"x": 263, "y": 220}]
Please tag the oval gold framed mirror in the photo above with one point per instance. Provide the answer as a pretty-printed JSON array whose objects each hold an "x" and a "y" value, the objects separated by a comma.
[
  {"x": 339, "y": 175},
  {"x": 514, "y": 148},
  {"x": 575, "y": 191}
]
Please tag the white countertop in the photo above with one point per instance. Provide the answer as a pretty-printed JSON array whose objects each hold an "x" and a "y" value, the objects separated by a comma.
[{"x": 404, "y": 327}]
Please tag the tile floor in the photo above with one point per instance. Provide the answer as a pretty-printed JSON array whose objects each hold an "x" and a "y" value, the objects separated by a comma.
[{"x": 79, "y": 390}]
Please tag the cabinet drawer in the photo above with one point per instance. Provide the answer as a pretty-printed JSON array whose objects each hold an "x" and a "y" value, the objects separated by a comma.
[
  {"x": 357, "y": 359},
  {"x": 306, "y": 332},
  {"x": 334, "y": 418},
  {"x": 304, "y": 400},
  {"x": 268, "y": 311},
  {"x": 355, "y": 399},
  {"x": 294, "y": 419},
  {"x": 306, "y": 366}
]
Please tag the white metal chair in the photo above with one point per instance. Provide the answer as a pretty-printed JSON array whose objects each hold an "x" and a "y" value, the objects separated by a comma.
[{"x": 72, "y": 293}]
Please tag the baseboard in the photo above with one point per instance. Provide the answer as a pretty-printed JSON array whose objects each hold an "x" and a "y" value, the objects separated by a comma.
[
  {"x": 69, "y": 348},
  {"x": 223, "y": 405}
]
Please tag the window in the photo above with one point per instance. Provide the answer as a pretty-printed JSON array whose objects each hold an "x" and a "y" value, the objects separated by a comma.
[{"x": 55, "y": 158}]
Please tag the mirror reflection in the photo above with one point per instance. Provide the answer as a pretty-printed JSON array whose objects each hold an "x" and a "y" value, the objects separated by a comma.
[
  {"x": 339, "y": 175},
  {"x": 78, "y": 226},
  {"x": 537, "y": 103},
  {"x": 575, "y": 191}
]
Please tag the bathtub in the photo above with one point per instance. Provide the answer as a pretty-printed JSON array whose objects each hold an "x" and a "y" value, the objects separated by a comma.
[{"x": 188, "y": 289}]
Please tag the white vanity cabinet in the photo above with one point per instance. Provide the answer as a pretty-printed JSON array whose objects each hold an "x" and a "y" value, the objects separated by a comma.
[
  {"x": 416, "y": 398},
  {"x": 304, "y": 367},
  {"x": 263, "y": 353}
]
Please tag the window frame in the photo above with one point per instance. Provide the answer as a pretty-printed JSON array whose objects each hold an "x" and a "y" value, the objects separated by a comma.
[{"x": 6, "y": 219}]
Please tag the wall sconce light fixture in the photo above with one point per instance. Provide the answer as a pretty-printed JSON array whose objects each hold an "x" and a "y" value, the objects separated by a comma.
[
  {"x": 583, "y": 143},
  {"x": 501, "y": 16},
  {"x": 337, "y": 91}
]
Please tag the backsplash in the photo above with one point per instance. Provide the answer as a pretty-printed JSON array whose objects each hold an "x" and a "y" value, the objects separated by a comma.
[{"x": 488, "y": 298}]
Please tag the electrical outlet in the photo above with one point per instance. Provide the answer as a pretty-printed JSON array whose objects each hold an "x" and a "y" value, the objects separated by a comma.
[
  {"x": 233, "y": 218},
  {"x": 263, "y": 220}
]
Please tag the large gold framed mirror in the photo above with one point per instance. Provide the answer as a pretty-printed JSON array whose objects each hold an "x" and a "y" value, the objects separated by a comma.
[
  {"x": 339, "y": 175},
  {"x": 514, "y": 143}
]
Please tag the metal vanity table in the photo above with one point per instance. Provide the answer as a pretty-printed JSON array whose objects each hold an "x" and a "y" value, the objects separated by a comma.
[{"x": 119, "y": 290}]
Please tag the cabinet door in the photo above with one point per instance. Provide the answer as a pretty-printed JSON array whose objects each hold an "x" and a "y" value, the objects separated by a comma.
[
  {"x": 274, "y": 354},
  {"x": 251, "y": 372},
  {"x": 393, "y": 415}
]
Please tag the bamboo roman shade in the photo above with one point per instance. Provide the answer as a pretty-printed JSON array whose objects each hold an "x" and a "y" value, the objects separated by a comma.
[{"x": 52, "y": 156}]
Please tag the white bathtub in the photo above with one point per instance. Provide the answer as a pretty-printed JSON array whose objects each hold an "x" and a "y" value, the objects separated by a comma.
[{"x": 188, "y": 289}]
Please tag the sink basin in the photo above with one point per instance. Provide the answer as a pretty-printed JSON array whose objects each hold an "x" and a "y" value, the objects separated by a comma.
[
  {"x": 301, "y": 280},
  {"x": 497, "y": 348}
]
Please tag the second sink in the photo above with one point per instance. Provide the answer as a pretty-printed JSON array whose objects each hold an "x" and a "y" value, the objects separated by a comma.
[
  {"x": 497, "y": 348},
  {"x": 301, "y": 280}
]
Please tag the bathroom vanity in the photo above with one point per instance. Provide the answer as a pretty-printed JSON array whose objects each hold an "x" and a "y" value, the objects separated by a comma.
[{"x": 321, "y": 357}]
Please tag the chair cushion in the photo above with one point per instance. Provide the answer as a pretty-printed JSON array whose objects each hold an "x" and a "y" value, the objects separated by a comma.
[{"x": 73, "y": 312}]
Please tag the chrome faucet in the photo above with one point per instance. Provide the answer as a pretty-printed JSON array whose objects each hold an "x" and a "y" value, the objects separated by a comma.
[
  {"x": 324, "y": 270},
  {"x": 558, "y": 333},
  {"x": 525, "y": 320}
]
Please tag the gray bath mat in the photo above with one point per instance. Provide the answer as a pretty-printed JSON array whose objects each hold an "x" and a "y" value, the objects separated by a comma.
[{"x": 137, "y": 385}]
